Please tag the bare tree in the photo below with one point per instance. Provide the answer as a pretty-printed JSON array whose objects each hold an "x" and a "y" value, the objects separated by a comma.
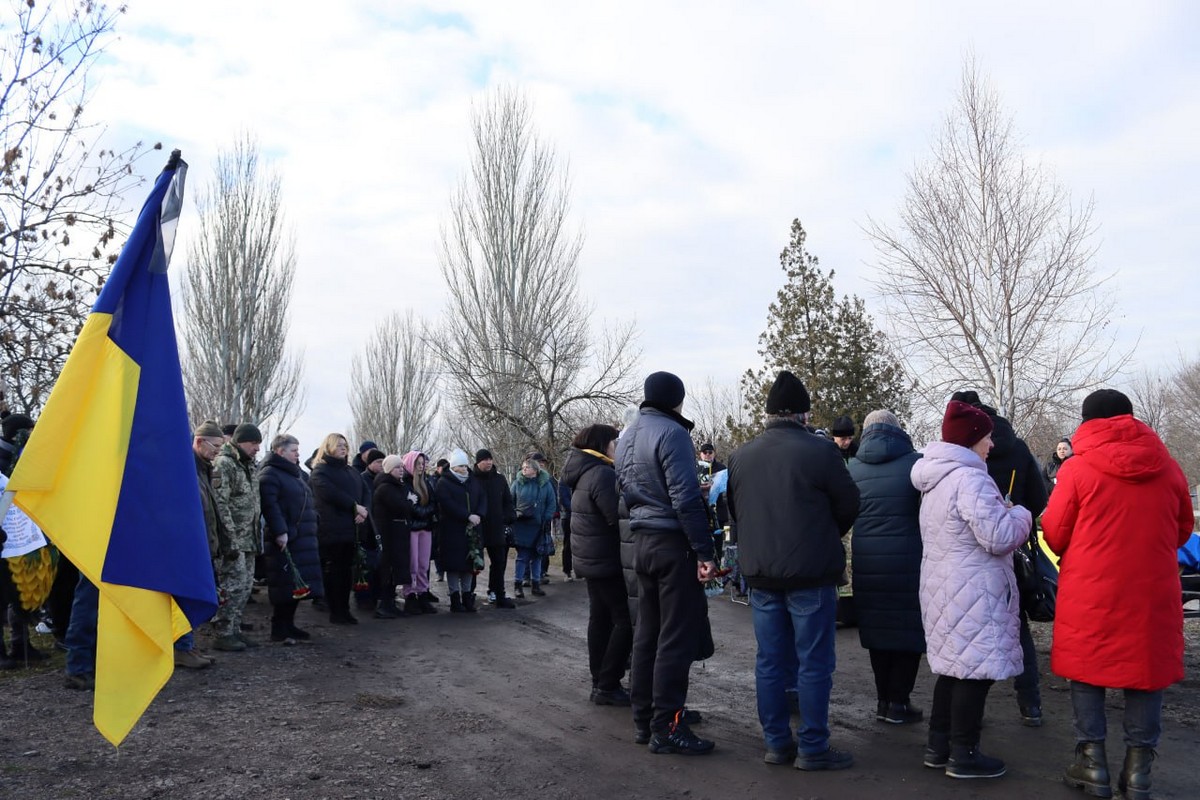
[
  {"x": 1182, "y": 414},
  {"x": 60, "y": 194},
  {"x": 1151, "y": 391},
  {"x": 519, "y": 351},
  {"x": 238, "y": 289},
  {"x": 988, "y": 281},
  {"x": 715, "y": 409},
  {"x": 394, "y": 387}
]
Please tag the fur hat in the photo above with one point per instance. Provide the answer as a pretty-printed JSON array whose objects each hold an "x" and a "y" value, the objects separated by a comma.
[
  {"x": 1105, "y": 403},
  {"x": 842, "y": 426},
  {"x": 788, "y": 396},
  {"x": 247, "y": 433},
  {"x": 964, "y": 424},
  {"x": 663, "y": 390}
]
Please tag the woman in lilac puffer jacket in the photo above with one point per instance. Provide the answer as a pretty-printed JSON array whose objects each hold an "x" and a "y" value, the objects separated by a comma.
[{"x": 969, "y": 600}]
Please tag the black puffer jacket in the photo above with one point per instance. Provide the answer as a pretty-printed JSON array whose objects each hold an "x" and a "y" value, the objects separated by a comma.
[
  {"x": 793, "y": 500},
  {"x": 887, "y": 542},
  {"x": 595, "y": 534},
  {"x": 628, "y": 557},
  {"x": 337, "y": 487},
  {"x": 456, "y": 502},
  {"x": 288, "y": 507},
  {"x": 499, "y": 503},
  {"x": 1012, "y": 463},
  {"x": 391, "y": 517},
  {"x": 424, "y": 515}
]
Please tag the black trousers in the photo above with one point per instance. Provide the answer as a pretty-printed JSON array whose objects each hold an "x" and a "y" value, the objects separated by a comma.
[
  {"x": 497, "y": 554},
  {"x": 337, "y": 567},
  {"x": 283, "y": 616},
  {"x": 895, "y": 674},
  {"x": 565, "y": 524},
  {"x": 610, "y": 631},
  {"x": 958, "y": 705},
  {"x": 395, "y": 566},
  {"x": 670, "y": 619},
  {"x": 62, "y": 596}
]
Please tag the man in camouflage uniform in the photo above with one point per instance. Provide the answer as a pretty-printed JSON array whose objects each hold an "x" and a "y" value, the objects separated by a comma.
[{"x": 235, "y": 494}]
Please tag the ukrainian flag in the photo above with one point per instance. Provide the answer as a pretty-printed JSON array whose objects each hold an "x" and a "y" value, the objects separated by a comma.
[{"x": 109, "y": 475}]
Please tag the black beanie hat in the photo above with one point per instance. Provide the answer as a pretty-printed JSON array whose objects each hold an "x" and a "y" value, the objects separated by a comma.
[
  {"x": 246, "y": 433},
  {"x": 663, "y": 389},
  {"x": 372, "y": 455},
  {"x": 842, "y": 426},
  {"x": 970, "y": 397},
  {"x": 1105, "y": 403},
  {"x": 788, "y": 396},
  {"x": 482, "y": 454}
]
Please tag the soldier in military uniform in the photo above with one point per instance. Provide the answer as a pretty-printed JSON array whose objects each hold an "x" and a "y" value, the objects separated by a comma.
[{"x": 235, "y": 495}]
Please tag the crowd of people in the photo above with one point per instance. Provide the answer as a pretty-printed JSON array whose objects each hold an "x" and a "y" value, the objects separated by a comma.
[{"x": 934, "y": 532}]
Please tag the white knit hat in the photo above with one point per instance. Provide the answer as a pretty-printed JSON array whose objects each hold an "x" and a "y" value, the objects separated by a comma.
[
  {"x": 459, "y": 459},
  {"x": 391, "y": 462}
]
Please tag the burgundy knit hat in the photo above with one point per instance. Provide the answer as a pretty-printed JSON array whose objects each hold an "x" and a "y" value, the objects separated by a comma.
[{"x": 964, "y": 424}]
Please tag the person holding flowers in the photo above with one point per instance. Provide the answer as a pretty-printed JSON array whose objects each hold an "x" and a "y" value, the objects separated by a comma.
[{"x": 290, "y": 513}]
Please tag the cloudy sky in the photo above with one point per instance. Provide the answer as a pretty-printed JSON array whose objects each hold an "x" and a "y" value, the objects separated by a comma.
[{"x": 695, "y": 132}]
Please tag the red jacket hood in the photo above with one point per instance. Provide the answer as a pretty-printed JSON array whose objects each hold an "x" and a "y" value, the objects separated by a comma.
[{"x": 1121, "y": 446}]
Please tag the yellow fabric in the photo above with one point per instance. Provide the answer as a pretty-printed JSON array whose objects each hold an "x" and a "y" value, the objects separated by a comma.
[{"x": 68, "y": 480}]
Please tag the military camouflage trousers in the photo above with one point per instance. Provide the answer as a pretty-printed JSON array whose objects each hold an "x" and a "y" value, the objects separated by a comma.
[{"x": 235, "y": 577}]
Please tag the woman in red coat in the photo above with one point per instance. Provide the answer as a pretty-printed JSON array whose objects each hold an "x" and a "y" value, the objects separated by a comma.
[{"x": 1119, "y": 512}]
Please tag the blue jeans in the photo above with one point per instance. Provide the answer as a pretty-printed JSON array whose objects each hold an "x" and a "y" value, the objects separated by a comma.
[
  {"x": 528, "y": 562},
  {"x": 795, "y": 631},
  {"x": 1143, "y": 715},
  {"x": 81, "y": 632}
]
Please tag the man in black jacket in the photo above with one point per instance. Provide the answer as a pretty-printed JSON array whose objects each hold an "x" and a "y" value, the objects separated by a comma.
[
  {"x": 499, "y": 516},
  {"x": 793, "y": 501},
  {"x": 656, "y": 474},
  {"x": 1018, "y": 475}
]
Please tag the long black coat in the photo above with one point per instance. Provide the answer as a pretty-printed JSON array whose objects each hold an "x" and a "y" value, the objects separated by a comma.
[
  {"x": 457, "y": 501},
  {"x": 887, "y": 542},
  {"x": 1012, "y": 462},
  {"x": 391, "y": 518},
  {"x": 337, "y": 487},
  {"x": 499, "y": 504},
  {"x": 595, "y": 530},
  {"x": 288, "y": 507}
]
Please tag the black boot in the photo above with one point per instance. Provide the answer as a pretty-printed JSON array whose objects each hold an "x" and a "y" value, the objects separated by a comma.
[
  {"x": 1135, "y": 775},
  {"x": 456, "y": 603},
  {"x": 1090, "y": 770},
  {"x": 901, "y": 714},
  {"x": 518, "y": 591},
  {"x": 968, "y": 762},
  {"x": 537, "y": 589},
  {"x": 937, "y": 750},
  {"x": 412, "y": 605},
  {"x": 468, "y": 599},
  {"x": 504, "y": 602},
  {"x": 425, "y": 605}
]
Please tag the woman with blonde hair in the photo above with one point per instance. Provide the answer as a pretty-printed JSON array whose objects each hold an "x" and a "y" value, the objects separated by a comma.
[{"x": 342, "y": 501}]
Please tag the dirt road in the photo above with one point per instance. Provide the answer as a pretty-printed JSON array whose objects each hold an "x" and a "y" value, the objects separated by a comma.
[{"x": 494, "y": 705}]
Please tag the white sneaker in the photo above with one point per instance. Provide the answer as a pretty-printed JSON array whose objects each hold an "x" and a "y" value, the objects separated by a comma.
[
  {"x": 42, "y": 627},
  {"x": 491, "y": 597}
]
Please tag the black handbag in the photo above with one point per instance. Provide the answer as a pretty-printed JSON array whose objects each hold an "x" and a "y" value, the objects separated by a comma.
[{"x": 1037, "y": 581}]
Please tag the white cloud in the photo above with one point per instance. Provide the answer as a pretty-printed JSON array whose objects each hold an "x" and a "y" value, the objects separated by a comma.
[{"x": 695, "y": 133}]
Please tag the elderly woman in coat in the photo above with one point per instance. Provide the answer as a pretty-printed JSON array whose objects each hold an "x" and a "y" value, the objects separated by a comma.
[
  {"x": 1117, "y": 515},
  {"x": 969, "y": 601}
]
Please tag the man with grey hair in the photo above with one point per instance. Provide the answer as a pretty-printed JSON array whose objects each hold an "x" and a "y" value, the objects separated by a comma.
[{"x": 793, "y": 501}]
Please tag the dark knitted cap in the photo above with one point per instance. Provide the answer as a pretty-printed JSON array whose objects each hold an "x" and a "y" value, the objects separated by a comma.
[
  {"x": 366, "y": 445},
  {"x": 707, "y": 447},
  {"x": 247, "y": 433},
  {"x": 482, "y": 454},
  {"x": 788, "y": 395},
  {"x": 842, "y": 426},
  {"x": 208, "y": 429},
  {"x": 964, "y": 424},
  {"x": 228, "y": 430},
  {"x": 372, "y": 455},
  {"x": 1105, "y": 403},
  {"x": 970, "y": 397},
  {"x": 663, "y": 389}
]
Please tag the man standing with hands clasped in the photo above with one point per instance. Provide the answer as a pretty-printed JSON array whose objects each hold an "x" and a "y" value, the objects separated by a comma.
[
  {"x": 656, "y": 473},
  {"x": 793, "y": 500}
]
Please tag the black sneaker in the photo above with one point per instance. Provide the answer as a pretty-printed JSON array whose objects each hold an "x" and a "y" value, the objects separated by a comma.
[
  {"x": 970, "y": 763},
  {"x": 780, "y": 757},
  {"x": 610, "y": 697},
  {"x": 937, "y": 750},
  {"x": 901, "y": 714},
  {"x": 1031, "y": 716},
  {"x": 681, "y": 741},
  {"x": 296, "y": 633},
  {"x": 829, "y": 760}
]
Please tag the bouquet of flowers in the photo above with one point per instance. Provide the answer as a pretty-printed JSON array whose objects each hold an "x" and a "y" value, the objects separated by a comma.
[
  {"x": 361, "y": 571},
  {"x": 300, "y": 589}
]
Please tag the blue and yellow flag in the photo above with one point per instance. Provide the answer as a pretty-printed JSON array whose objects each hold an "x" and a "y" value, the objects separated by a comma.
[{"x": 110, "y": 477}]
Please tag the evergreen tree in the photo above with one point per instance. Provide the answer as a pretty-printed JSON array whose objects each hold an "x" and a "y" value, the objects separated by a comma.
[{"x": 830, "y": 344}]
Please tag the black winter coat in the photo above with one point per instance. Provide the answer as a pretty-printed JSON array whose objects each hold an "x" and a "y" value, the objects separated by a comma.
[
  {"x": 391, "y": 518},
  {"x": 457, "y": 501},
  {"x": 424, "y": 515},
  {"x": 337, "y": 487},
  {"x": 1011, "y": 461},
  {"x": 288, "y": 507},
  {"x": 628, "y": 557},
  {"x": 595, "y": 533},
  {"x": 499, "y": 504},
  {"x": 887, "y": 542},
  {"x": 793, "y": 501}
]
